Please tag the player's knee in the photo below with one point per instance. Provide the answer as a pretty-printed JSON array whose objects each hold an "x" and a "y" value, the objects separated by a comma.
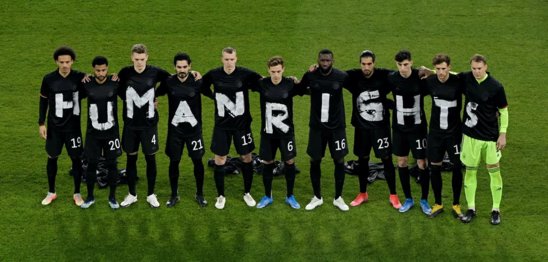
[
  {"x": 220, "y": 160},
  {"x": 490, "y": 166},
  {"x": 421, "y": 163},
  {"x": 402, "y": 161},
  {"x": 246, "y": 158},
  {"x": 338, "y": 160},
  {"x": 290, "y": 161},
  {"x": 268, "y": 162},
  {"x": 133, "y": 153}
]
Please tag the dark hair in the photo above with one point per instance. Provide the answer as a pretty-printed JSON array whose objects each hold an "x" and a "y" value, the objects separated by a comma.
[
  {"x": 325, "y": 52},
  {"x": 478, "y": 58},
  {"x": 99, "y": 60},
  {"x": 441, "y": 58},
  {"x": 64, "y": 50},
  {"x": 275, "y": 60},
  {"x": 367, "y": 53},
  {"x": 403, "y": 55},
  {"x": 181, "y": 56}
]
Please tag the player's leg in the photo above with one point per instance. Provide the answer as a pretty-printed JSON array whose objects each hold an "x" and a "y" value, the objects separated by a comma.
[
  {"x": 112, "y": 180},
  {"x": 245, "y": 144},
  {"x": 288, "y": 150},
  {"x": 130, "y": 144},
  {"x": 149, "y": 140},
  {"x": 401, "y": 151},
  {"x": 381, "y": 142},
  {"x": 470, "y": 157},
  {"x": 417, "y": 142},
  {"x": 267, "y": 152},
  {"x": 362, "y": 147},
  {"x": 93, "y": 151},
  {"x": 492, "y": 158},
  {"x": 454, "y": 151},
  {"x": 338, "y": 149},
  {"x": 435, "y": 152},
  {"x": 73, "y": 144},
  {"x": 220, "y": 144},
  {"x": 196, "y": 151},
  {"x": 54, "y": 145},
  {"x": 316, "y": 151},
  {"x": 174, "y": 150}
]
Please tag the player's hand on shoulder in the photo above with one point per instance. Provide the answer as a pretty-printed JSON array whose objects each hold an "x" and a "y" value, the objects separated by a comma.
[
  {"x": 196, "y": 75},
  {"x": 425, "y": 72},
  {"x": 295, "y": 79},
  {"x": 87, "y": 78},
  {"x": 115, "y": 77},
  {"x": 43, "y": 131},
  {"x": 313, "y": 68}
]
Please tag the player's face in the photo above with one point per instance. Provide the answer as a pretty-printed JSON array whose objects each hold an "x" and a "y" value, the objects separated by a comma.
[
  {"x": 182, "y": 68},
  {"x": 367, "y": 65},
  {"x": 325, "y": 61},
  {"x": 404, "y": 67},
  {"x": 442, "y": 71},
  {"x": 229, "y": 61},
  {"x": 64, "y": 62},
  {"x": 139, "y": 61},
  {"x": 100, "y": 72},
  {"x": 276, "y": 73},
  {"x": 479, "y": 69}
]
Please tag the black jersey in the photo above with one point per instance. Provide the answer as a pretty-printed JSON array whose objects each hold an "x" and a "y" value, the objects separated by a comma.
[
  {"x": 482, "y": 103},
  {"x": 327, "y": 105},
  {"x": 369, "y": 103},
  {"x": 446, "y": 103},
  {"x": 185, "y": 104},
  {"x": 137, "y": 90},
  {"x": 277, "y": 107},
  {"x": 408, "y": 101},
  {"x": 63, "y": 98},
  {"x": 102, "y": 108},
  {"x": 230, "y": 92}
]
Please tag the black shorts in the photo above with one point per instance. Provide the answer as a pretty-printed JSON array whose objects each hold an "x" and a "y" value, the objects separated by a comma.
[
  {"x": 404, "y": 141},
  {"x": 71, "y": 139},
  {"x": 148, "y": 138},
  {"x": 176, "y": 142},
  {"x": 287, "y": 147},
  {"x": 319, "y": 138},
  {"x": 95, "y": 148},
  {"x": 378, "y": 138},
  {"x": 439, "y": 143},
  {"x": 243, "y": 141}
]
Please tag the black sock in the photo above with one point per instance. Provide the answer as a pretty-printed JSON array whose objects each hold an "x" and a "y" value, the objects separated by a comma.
[
  {"x": 339, "y": 177},
  {"x": 390, "y": 174},
  {"x": 267, "y": 179},
  {"x": 76, "y": 173},
  {"x": 151, "y": 173},
  {"x": 456, "y": 182},
  {"x": 131, "y": 172},
  {"x": 315, "y": 177},
  {"x": 174, "y": 176},
  {"x": 425, "y": 183},
  {"x": 199, "y": 175},
  {"x": 437, "y": 183},
  {"x": 51, "y": 168},
  {"x": 219, "y": 176},
  {"x": 247, "y": 172},
  {"x": 363, "y": 173},
  {"x": 112, "y": 178},
  {"x": 290, "y": 178},
  {"x": 91, "y": 178},
  {"x": 404, "y": 180}
]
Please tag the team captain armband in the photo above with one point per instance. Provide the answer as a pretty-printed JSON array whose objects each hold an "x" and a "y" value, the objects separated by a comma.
[{"x": 503, "y": 119}]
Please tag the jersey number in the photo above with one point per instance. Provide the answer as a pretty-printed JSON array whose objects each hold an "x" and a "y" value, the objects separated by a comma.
[
  {"x": 383, "y": 143},
  {"x": 247, "y": 139},
  {"x": 421, "y": 143},
  {"x": 76, "y": 142},
  {"x": 114, "y": 144},
  {"x": 197, "y": 145},
  {"x": 340, "y": 145}
]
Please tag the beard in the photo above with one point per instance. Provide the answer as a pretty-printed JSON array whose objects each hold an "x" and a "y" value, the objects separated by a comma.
[{"x": 182, "y": 75}]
